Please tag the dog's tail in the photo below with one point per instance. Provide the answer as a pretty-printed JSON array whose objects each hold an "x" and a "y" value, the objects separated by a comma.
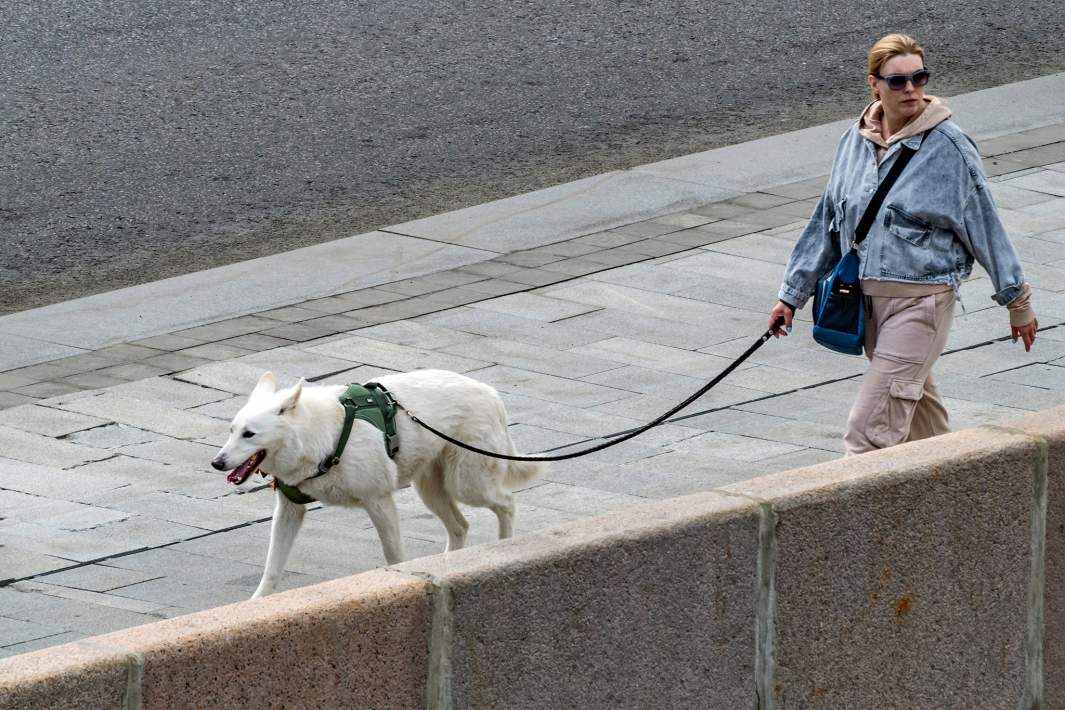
[{"x": 521, "y": 472}]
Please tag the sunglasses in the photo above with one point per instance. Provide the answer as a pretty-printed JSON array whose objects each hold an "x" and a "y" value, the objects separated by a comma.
[{"x": 897, "y": 82}]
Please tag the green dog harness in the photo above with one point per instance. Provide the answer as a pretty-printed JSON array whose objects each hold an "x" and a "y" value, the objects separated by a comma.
[{"x": 370, "y": 402}]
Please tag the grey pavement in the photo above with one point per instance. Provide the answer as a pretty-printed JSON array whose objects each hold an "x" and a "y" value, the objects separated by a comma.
[{"x": 592, "y": 307}]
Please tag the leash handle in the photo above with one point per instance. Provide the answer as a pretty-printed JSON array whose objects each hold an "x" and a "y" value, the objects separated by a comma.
[{"x": 624, "y": 437}]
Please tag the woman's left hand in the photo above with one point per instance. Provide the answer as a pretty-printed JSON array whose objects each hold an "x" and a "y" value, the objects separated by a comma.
[{"x": 1025, "y": 333}]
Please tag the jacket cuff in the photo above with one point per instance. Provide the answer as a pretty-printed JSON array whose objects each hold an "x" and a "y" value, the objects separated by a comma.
[
  {"x": 792, "y": 297},
  {"x": 1008, "y": 294}
]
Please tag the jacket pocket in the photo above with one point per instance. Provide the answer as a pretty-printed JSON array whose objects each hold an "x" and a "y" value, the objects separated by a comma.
[
  {"x": 905, "y": 226},
  {"x": 889, "y": 423}
]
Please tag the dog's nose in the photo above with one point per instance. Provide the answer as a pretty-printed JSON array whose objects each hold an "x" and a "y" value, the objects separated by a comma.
[{"x": 219, "y": 463}]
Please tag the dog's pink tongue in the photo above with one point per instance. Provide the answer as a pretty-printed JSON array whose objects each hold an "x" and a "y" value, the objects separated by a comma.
[{"x": 241, "y": 472}]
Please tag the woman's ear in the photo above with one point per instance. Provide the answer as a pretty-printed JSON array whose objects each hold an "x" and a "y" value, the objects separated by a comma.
[{"x": 872, "y": 85}]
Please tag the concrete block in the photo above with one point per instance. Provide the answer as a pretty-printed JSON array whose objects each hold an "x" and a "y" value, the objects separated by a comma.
[
  {"x": 1050, "y": 426},
  {"x": 365, "y": 640},
  {"x": 593, "y": 614},
  {"x": 71, "y": 676},
  {"x": 903, "y": 574}
]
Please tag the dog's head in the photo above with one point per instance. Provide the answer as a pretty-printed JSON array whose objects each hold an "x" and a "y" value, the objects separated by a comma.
[{"x": 261, "y": 428}]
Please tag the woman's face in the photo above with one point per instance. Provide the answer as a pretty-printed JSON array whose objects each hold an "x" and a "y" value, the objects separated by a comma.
[{"x": 902, "y": 103}]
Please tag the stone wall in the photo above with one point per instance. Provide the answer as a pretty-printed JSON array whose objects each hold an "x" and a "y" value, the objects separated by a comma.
[{"x": 906, "y": 578}]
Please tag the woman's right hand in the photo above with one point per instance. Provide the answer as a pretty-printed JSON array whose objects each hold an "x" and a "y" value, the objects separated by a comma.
[{"x": 781, "y": 310}]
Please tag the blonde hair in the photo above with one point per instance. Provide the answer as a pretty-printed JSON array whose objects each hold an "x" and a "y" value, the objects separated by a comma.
[{"x": 888, "y": 47}]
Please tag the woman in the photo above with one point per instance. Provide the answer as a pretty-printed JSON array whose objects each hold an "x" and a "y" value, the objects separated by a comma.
[{"x": 937, "y": 218}]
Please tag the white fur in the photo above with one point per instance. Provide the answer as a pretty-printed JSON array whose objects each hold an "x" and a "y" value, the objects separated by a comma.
[{"x": 300, "y": 426}]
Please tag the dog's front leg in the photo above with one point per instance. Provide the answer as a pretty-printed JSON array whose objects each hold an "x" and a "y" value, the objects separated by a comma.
[
  {"x": 385, "y": 519},
  {"x": 288, "y": 517}
]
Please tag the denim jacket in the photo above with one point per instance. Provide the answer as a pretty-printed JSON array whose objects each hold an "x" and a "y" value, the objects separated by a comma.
[{"x": 936, "y": 219}]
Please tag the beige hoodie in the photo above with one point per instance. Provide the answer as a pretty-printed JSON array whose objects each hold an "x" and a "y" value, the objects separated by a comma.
[{"x": 934, "y": 113}]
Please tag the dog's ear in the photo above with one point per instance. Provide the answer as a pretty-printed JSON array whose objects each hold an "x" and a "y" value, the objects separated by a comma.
[
  {"x": 267, "y": 385},
  {"x": 290, "y": 401}
]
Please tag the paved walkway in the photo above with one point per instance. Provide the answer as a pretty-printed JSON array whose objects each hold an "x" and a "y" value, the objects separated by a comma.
[{"x": 592, "y": 308}]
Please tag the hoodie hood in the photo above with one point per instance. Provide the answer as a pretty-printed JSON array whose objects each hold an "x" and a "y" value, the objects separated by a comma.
[{"x": 934, "y": 113}]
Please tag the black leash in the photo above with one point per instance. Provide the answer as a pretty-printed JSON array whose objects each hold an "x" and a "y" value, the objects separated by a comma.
[{"x": 624, "y": 437}]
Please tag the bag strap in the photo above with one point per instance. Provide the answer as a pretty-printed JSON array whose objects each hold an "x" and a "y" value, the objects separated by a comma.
[{"x": 905, "y": 153}]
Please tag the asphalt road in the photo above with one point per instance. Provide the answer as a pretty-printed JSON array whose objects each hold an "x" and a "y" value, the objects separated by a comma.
[{"x": 141, "y": 139}]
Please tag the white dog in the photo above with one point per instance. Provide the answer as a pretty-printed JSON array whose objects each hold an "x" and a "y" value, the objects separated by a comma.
[{"x": 289, "y": 432}]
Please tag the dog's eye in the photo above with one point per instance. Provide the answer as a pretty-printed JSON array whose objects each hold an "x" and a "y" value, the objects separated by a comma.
[{"x": 248, "y": 434}]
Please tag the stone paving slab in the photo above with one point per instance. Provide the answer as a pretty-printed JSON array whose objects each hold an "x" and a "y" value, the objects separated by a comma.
[
  {"x": 147, "y": 414},
  {"x": 654, "y": 356},
  {"x": 533, "y": 358},
  {"x": 637, "y": 301},
  {"x": 401, "y": 357},
  {"x": 50, "y": 422},
  {"x": 47, "y": 451},
  {"x": 561, "y": 335}
]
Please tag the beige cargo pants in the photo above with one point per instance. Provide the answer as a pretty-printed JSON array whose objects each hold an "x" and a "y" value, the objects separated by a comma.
[{"x": 898, "y": 400}]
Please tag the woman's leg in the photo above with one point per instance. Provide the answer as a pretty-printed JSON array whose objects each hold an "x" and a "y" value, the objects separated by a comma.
[
  {"x": 908, "y": 334},
  {"x": 930, "y": 417}
]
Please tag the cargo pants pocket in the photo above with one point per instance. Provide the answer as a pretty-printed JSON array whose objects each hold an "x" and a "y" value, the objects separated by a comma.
[{"x": 890, "y": 421}]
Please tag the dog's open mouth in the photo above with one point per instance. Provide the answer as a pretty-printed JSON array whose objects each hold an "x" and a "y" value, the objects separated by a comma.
[{"x": 246, "y": 469}]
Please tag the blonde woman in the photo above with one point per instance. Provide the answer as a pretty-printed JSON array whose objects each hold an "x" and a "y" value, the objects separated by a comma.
[{"x": 935, "y": 221}]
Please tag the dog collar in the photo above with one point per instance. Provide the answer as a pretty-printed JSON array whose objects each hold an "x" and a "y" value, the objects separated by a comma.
[{"x": 371, "y": 403}]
